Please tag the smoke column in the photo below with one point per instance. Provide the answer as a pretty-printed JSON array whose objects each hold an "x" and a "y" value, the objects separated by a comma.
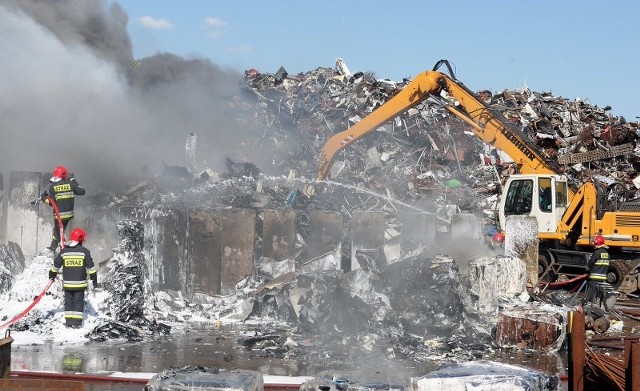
[{"x": 70, "y": 95}]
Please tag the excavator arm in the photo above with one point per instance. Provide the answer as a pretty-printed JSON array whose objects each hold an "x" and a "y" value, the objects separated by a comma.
[{"x": 488, "y": 125}]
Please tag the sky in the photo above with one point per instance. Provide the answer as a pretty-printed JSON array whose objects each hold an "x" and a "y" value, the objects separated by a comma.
[{"x": 575, "y": 49}]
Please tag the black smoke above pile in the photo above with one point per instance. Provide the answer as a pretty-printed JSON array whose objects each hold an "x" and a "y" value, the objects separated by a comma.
[
  {"x": 87, "y": 23},
  {"x": 73, "y": 94}
]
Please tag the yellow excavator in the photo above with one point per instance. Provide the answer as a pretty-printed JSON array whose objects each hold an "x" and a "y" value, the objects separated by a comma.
[{"x": 568, "y": 216}]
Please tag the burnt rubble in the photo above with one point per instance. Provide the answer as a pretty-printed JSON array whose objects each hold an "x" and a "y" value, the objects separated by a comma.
[
  {"x": 425, "y": 155},
  {"x": 125, "y": 308},
  {"x": 423, "y": 160},
  {"x": 416, "y": 308},
  {"x": 11, "y": 263}
]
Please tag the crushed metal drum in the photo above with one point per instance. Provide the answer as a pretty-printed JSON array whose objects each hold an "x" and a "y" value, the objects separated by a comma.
[{"x": 526, "y": 328}]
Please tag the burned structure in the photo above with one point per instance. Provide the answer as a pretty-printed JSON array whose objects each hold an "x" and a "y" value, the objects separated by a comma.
[{"x": 359, "y": 262}]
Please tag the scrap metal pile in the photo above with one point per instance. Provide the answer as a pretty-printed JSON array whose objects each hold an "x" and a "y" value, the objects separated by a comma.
[
  {"x": 425, "y": 159},
  {"x": 425, "y": 154},
  {"x": 473, "y": 375},
  {"x": 417, "y": 309}
]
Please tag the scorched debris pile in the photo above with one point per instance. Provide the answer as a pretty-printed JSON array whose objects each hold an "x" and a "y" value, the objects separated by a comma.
[{"x": 425, "y": 154}]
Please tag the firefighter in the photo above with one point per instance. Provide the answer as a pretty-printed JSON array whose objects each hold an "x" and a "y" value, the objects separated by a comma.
[
  {"x": 62, "y": 189},
  {"x": 598, "y": 268},
  {"x": 77, "y": 263}
]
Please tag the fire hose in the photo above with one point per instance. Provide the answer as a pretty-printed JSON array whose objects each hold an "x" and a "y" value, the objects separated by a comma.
[
  {"x": 557, "y": 284},
  {"x": 56, "y": 211},
  {"x": 35, "y": 301}
]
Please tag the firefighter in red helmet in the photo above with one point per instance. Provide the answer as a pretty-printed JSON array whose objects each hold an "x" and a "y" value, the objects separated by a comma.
[
  {"x": 598, "y": 268},
  {"x": 77, "y": 263},
  {"x": 63, "y": 188}
]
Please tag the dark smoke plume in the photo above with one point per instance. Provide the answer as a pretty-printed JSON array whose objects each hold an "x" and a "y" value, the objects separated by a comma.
[{"x": 72, "y": 93}]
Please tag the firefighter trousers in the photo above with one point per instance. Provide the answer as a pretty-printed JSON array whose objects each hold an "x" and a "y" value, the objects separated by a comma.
[
  {"x": 55, "y": 240},
  {"x": 73, "y": 307}
]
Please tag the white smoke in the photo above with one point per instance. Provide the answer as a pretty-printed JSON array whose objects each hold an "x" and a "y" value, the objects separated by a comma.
[{"x": 68, "y": 96}]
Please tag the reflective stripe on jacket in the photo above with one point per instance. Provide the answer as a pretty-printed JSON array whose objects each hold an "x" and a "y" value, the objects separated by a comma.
[
  {"x": 599, "y": 264},
  {"x": 63, "y": 193}
]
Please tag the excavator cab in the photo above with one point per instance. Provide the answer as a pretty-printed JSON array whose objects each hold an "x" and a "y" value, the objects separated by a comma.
[{"x": 543, "y": 196}]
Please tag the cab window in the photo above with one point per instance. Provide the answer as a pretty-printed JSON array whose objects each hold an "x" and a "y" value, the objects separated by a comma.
[
  {"x": 544, "y": 195},
  {"x": 561, "y": 194},
  {"x": 519, "y": 195}
]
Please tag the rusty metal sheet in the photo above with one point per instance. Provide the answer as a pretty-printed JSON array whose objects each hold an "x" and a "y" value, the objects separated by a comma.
[
  {"x": 326, "y": 232},
  {"x": 598, "y": 154},
  {"x": 529, "y": 329},
  {"x": 279, "y": 234},
  {"x": 367, "y": 234},
  {"x": 204, "y": 251},
  {"x": 168, "y": 260},
  {"x": 238, "y": 235},
  {"x": 5, "y": 354},
  {"x": 40, "y": 385}
]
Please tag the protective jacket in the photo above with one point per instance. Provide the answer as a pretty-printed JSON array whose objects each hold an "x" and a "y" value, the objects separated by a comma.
[
  {"x": 599, "y": 264},
  {"x": 63, "y": 193},
  {"x": 77, "y": 264}
]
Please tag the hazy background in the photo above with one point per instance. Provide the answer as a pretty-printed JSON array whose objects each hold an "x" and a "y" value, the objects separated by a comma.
[
  {"x": 71, "y": 94},
  {"x": 573, "y": 48},
  {"x": 74, "y": 90}
]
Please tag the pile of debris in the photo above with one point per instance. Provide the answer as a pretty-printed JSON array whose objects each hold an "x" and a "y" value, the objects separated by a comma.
[
  {"x": 205, "y": 378},
  {"x": 417, "y": 309},
  {"x": 425, "y": 159},
  {"x": 425, "y": 155},
  {"x": 125, "y": 308},
  {"x": 11, "y": 263}
]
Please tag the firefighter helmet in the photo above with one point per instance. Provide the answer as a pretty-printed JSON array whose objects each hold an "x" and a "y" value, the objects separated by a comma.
[
  {"x": 78, "y": 235},
  {"x": 597, "y": 240},
  {"x": 60, "y": 172}
]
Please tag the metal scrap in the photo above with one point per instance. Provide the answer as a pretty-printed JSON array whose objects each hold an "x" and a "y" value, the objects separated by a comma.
[{"x": 394, "y": 160}]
